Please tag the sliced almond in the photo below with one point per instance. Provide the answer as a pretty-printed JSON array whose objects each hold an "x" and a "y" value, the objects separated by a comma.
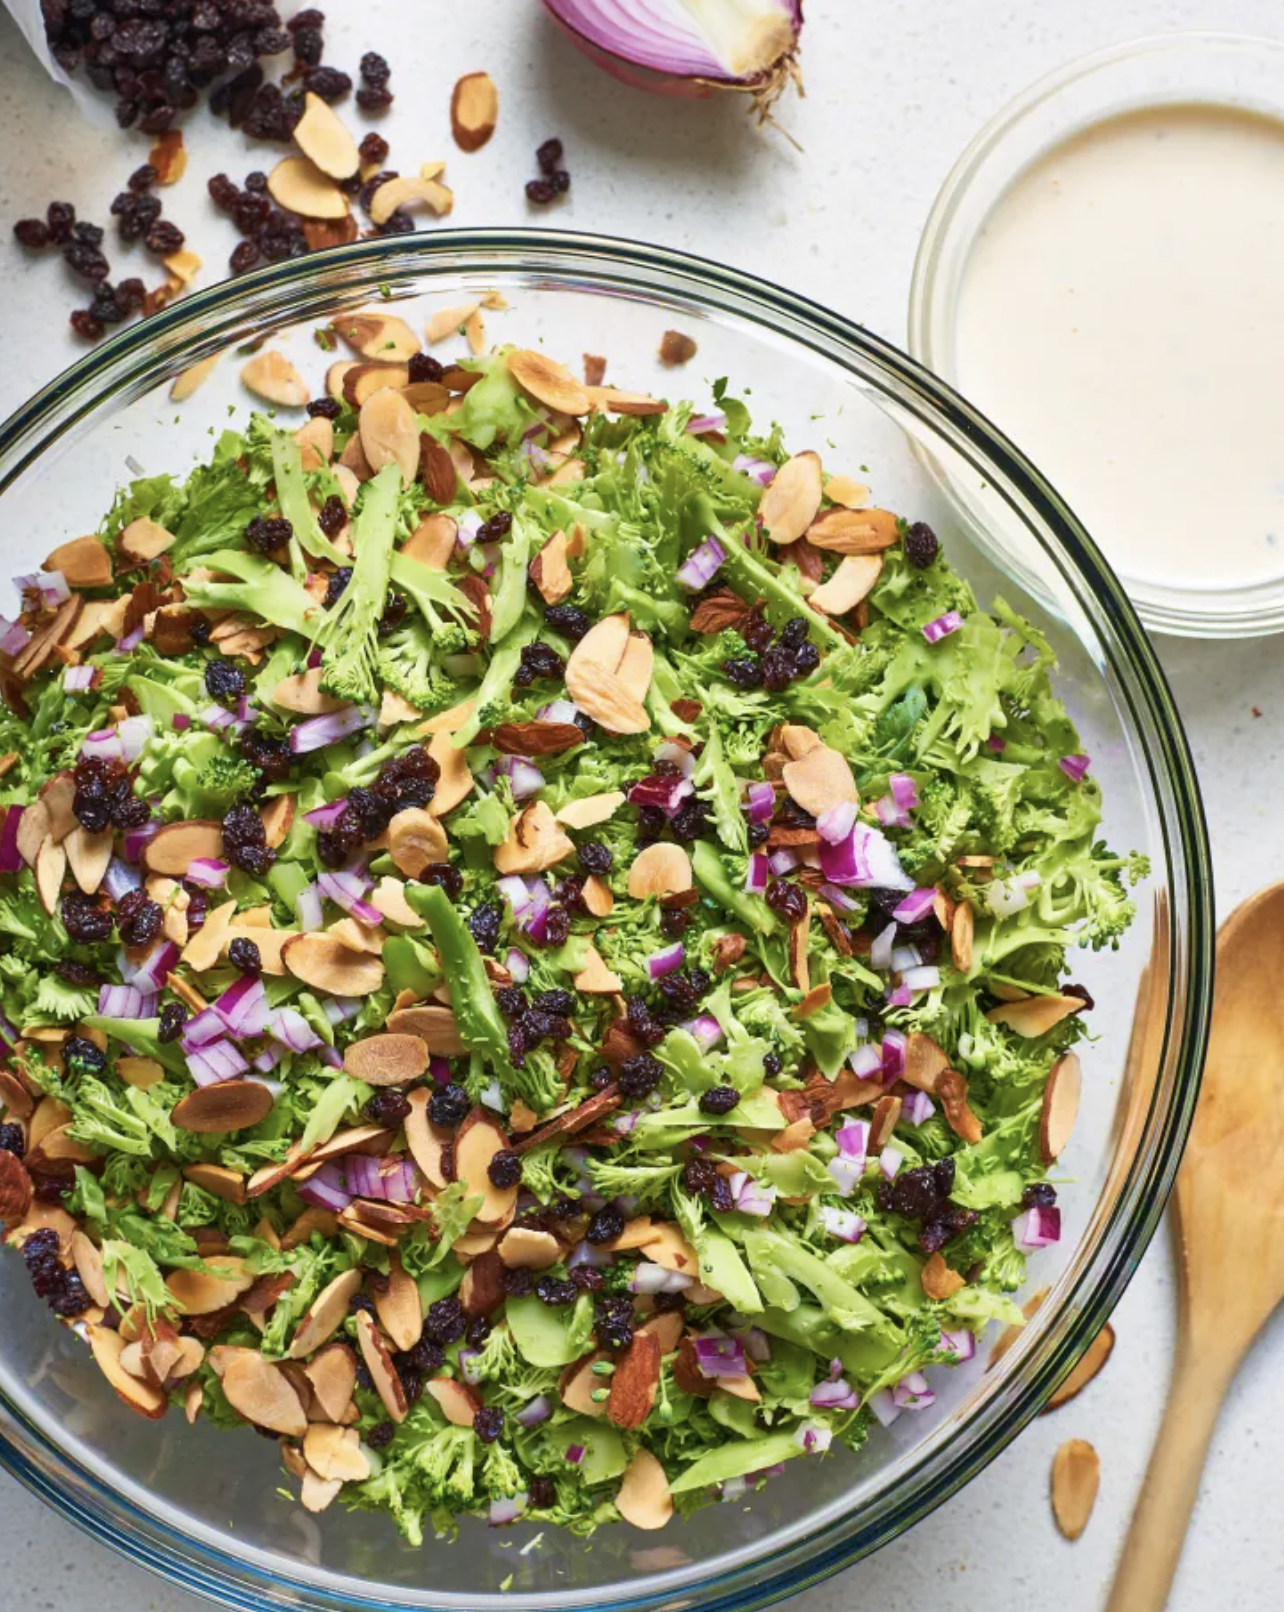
[
  {"x": 1060, "y": 1107},
  {"x": 577, "y": 1385},
  {"x": 107, "y": 1347},
  {"x": 51, "y": 865},
  {"x": 962, "y": 933},
  {"x": 88, "y": 855},
  {"x": 325, "y": 1316},
  {"x": 595, "y": 978},
  {"x": 789, "y": 504},
  {"x": 535, "y": 842},
  {"x": 479, "y": 1138},
  {"x": 474, "y": 107},
  {"x": 667, "y": 1246},
  {"x": 173, "y": 848},
  {"x": 845, "y": 531},
  {"x": 798, "y": 967},
  {"x": 416, "y": 840},
  {"x": 262, "y": 1393},
  {"x": 1091, "y": 1362},
  {"x": 397, "y": 1305},
  {"x": 231, "y": 1105},
  {"x": 272, "y": 376},
  {"x": 602, "y": 696},
  {"x": 300, "y": 187},
  {"x": 141, "y": 1072},
  {"x": 358, "y": 937},
  {"x": 143, "y": 540},
  {"x": 458, "y": 1402},
  {"x": 887, "y": 1113},
  {"x": 56, "y": 797},
  {"x": 427, "y": 1143},
  {"x": 320, "y": 961},
  {"x": 523, "y": 1248},
  {"x": 660, "y": 870},
  {"x": 217, "y": 1180},
  {"x": 317, "y": 1494},
  {"x": 848, "y": 492},
  {"x": 550, "y": 572},
  {"x": 200, "y": 1293},
  {"x": 390, "y": 434},
  {"x": 635, "y": 1382},
  {"x": 591, "y": 810},
  {"x": 34, "y": 829},
  {"x": 377, "y": 335},
  {"x": 636, "y": 666},
  {"x": 455, "y": 782},
  {"x": 449, "y": 321},
  {"x": 1035, "y": 1015},
  {"x": 322, "y": 136},
  {"x": 1076, "y": 1477},
  {"x": 925, "y": 1063},
  {"x": 389, "y": 898},
  {"x": 386, "y": 1059},
  {"x": 332, "y": 1375},
  {"x": 188, "y": 380},
  {"x": 84, "y": 563},
  {"x": 820, "y": 780},
  {"x": 596, "y": 896},
  {"x": 549, "y": 382},
  {"x": 374, "y": 1351},
  {"x": 89, "y": 1267},
  {"x": 611, "y": 400},
  {"x": 277, "y": 817},
  {"x": 644, "y": 1498},
  {"x": 407, "y": 190},
  {"x": 604, "y": 643},
  {"x": 938, "y": 1281},
  {"x": 433, "y": 541},
  {"x": 434, "y": 1026},
  {"x": 854, "y": 580},
  {"x": 335, "y": 1453}
]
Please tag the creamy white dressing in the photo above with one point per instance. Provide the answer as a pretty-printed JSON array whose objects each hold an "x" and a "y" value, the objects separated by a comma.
[{"x": 1122, "y": 319}]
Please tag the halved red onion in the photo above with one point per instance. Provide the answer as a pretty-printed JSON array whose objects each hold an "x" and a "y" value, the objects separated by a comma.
[
  {"x": 243, "y": 1007},
  {"x": 847, "y": 1226},
  {"x": 1038, "y": 1227},
  {"x": 890, "y": 814},
  {"x": 267, "y": 1060},
  {"x": 755, "y": 1343},
  {"x": 960, "y": 1344},
  {"x": 996, "y": 744},
  {"x": 890, "y": 1161},
  {"x": 702, "y": 564},
  {"x": 125, "y": 1002},
  {"x": 524, "y": 777},
  {"x": 518, "y": 965},
  {"x": 515, "y": 891},
  {"x": 651, "y": 1278},
  {"x": 895, "y": 1043},
  {"x": 208, "y": 871},
  {"x": 319, "y": 731},
  {"x": 749, "y": 1196},
  {"x": 881, "y": 949},
  {"x": 308, "y": 909},
  {"x": 917, "y": 1108},
  {"x": 904, "y": 791},
  {"x": 720, "y": 1356},
  {"x": 915, "y": 906},
  {"x": 813, "y": 1439},
  {"x": 534, "y": 1412},
  {"x": 760, "y": 470},
  {"x": 14, "y": 637},
  {"x": 1075, "y": 767},
  {"x": 835, "y": 823},
  {"x": 327, "y": 816},
  {"x": 756, "y": 873},
  {"x": 326, "y": 1188},
  {"x": 288, "y": 1026},
  {"x": 138, "y": 839},
  {"x": 913, "y": 1392},
  {"x": 400, "y": 1180},
  {"x": 664, "y": 962},
  {"x": 10, "y": 856},
  {"x": 120, "y": 879},
  {"x": 153, "y": 971},
  {"x": 218, "y": 1061},
  {"x": 700, "y": 425},
  {"x": 104, "y": 745},
  {"x": 533, "y": 918},
  {"x": 840, "y": 900},
  {"x": 439, "y": 1070},
  {"x": 80, "y": 679}
]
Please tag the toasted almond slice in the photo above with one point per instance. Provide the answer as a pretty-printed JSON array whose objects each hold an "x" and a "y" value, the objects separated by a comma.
[
  {"x": 394, "y": 710},
  {"x": 550, "y": 572},
  {"x": 596, "y": 896},
  {"x": 34, "y": 829},
  {"x": 88, "y": 855},
  {"x": 823, "y": 778},
  {"x": 611, "y": 400},
  {"x": 374, "y": 1351},
  {"x": 636, "y": 666},
  {"x": 360, "y": 384},
  {"x": 459, "y": 1404},
  {"x": 577, "y": 1384},
  {"x": 1091, "y": 1362},
  {"x": 644, "y": 1498},
  {"x": 479, "y": 1138},
  {"x": 335, "y": 1453},
  {"x": 1076, "y": 1477},
  {"x": 591, "y": 810},
  {"x": 1060, "y": 1107},
  {"x": 455, "y": 782},
  {"x": 58, "y": 1144},
  {"x": 798, "y": 966},
  {"x": 84, "y": 563},
  {"x": 386, "y": 1059},
  {"x": 845, "y": 531},
  {"x": 848, "y": 492},
  {"x": 962, "y": 932},
  {"x": 217, "y": 1180},
  {"x": 416, "y": 840},
  {"x": 432, "y": 542},
  {"x": 395, "y": 194},
  {"x": 323, "y": 1319},
  {"x": 300, "y": 187},
  {"x": 660, "y": 870},
  {"x": 389, "y": 898},
  {"x": 377, "y": 335},
  {"x": 474, "y": 107},
  {"x": 231, "y": 1105},
  {"x": 475, "y": 332},
  {"x": 887, "y": 1113},
  {"x": 195, "y": 375},
  {"x": 262, "y": 1393},
  {"x": 317, "y": 1494},
  {"x": 51, "y": 865},
  {"x": 789, "y": 504},
  {"x": 1035, "y": 1015},
  {"x": 938, "y": 1281},
  {"x": 536, "y": 841},
  {"x": 449, "y": 321},
  {"x": 427, "y": 1143},
  {"x": 272, "y": 376},
  {"x": 854, "y": 580},
  {"x": 925, "y": 1062},
  {"x": 277, "y": 817},
  {"x": 397, "y": 1305},
  {"x": 173, "y": 848},
  {"x": 603, "y": 697},
  {"x": 523, "y": 1248},
  {"x": 107, "y": 1347},
  {"x": 321, "y": 135},
  {"x": 201, "y": 1293},
  {"x": 332, "y": 1375},
  {"x": 140, "y": 1072},
  {"x": 549, "y": 382},
  {"x": 89, "y": 1267},
  {"x": 604, "y": 644},
  {"x": 50, "y": 1115},
  {"x": 666, "y": 1328},
  {"x": 57, "y": 796},
  {"x": 635, "y": 1382},
  {"x": 667, "y": 1246},
  {"x": 434, "y": 1026},
  {"x": 143, "y": 540},
  {"x": 325, "y": 963},
  {"x": 390, "y": 434},
  {"x": 595, "y": 978},
  {"x": 316, "y": 442},
  {"x": 739, "y": 1387}
]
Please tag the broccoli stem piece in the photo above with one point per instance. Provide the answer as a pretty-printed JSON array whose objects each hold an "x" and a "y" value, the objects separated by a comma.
[
  {"x": 350, "y": 631},
  {"x": 262, "y": 590},
  {"x": 480, "y": 1022},
  {"x": 292, "y": 495},
  {"x": 710, "y": 874}
]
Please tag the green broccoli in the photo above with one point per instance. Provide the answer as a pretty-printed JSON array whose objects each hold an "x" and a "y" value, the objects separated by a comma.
[
  {"x": 261, "y": 589},
  {"x": 406, "y": 663},
  {"x": 1088, "y": 886},
  {"x": 350, "y": 631},
  {"x": 224, "y": 779}
]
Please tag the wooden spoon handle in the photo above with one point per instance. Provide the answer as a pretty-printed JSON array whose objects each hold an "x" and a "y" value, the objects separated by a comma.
[{"x": 1159, "y": 1523}]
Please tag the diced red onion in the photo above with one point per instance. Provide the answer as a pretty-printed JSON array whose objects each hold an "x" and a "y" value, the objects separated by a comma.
[
  {"x": 220, "y": 720},
  {"x": 835, "y": 823},
  {"x": 895, "y": 1043},
  {"x": 996, "y": 744},
  {"x": 125, "y": 1002},
  {"x": 749, "y": 1196},
  {"x": 1037, "y": 1228},
  {"x": 331, "y": 1057},
  {"x": 852, "y": 1138},
  {"x": 913, "y": 1393},
  {"x": 518, "y": 965},
  {"x": 651, "y": 1278},
  {"x": 153, "y": 971},
  {"x": 866, "y": 1062},
  {"x": 243, "y": 1007},
  {"x": 14, "y": 637},
  {"x": 208, "y": 871},
  {"x": 130, "y": 642},
  {"x": 813, "y": 1439},
  {"x": 925, "y": 977},
  {"x": 760, "y": 470},
  {"x": 942, "y": 627},
  {"x": 80, "y": 679},
  {"x": 961, "y": 1344},
  {"x": 346, "y": 890},
  {"x": 890, "y": 1161},
  {"x": 705, "y": 1029},
  {"x": 905, "y": 957},
  {"x": 469, "y": 524},
  {"x": 700, "y": 425},
  {"x": 575, "y": 1453},
  {"x": 846, "y": 1174},
  {"x": 702, "y": 564},
  {"x": 847, "y": 1226},
  {"x": 492, "y": 1095},
  {"x": 180, "y": 721},
  {"x": 288, "y": 1026},
  {"x": 586, "y": 1253},
  {"x": 339, "y": 1009},
  {"x": 267, "y": 1060},
  {"x": 1005, "y": 898},
  {"x": 866, "y": 859},
  {"x": 904, "y": 791},
  {"x": 756, "y": 874},
  {"x": 915, "y": 906},
  {"x": 755, "y": 1342},
  {"x": 558, "y": 711},
  {"x": 760, "y": 802},
  {"x": 782, "y": 861},
  {"x": 105, "y": 745},
  {"x": 677, "y": 755},
  {"x": 10, "y": 856},
  {"x": 439, "y": 1070},
  {"x": 917, "y": 1108},
  {"x": 901, "y": 997},
  {"x": 664, "y": 962},
  {"x": 326, "y": 1188},
  {"x": 839, "y": 899},
  {"x": 516, "y": 892},
  {"x": 327, "y": 816},
  {"x": 721, "y": 1356},
  {"x": 218, "y": 1061},
  {"x": 1075, "y": 767},
  {"x": 534, "y": 918},
  {"x": 883, "y": 1407},
  {"x": 534, "y": 1412},
  {"x": 834, "y": 1395},
  {"x": 134, "y": 732},
  {"x": 626, "y": 1124},
  {"x": 667, "y": 794},
  {"x": 732, "y": 1489},
  {"x": 138, "y": 839},
  {"x": 307, "y": 909},
  {"x": 889, "y": 813},
  {"x": 120, "y": 879},
  {"x": 880, "y": 951},
  {"x": 201, "y": 1029},
  {"x": 319, "y": 731},
  {"x": 50, "y": 586},
  {"x": 524, "y": 777}
]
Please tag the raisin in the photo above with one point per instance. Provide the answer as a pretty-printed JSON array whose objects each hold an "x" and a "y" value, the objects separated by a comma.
[
  {"x": 743, "y": 671},
  {"x": 422, "y": 366},
  {"x": 32, "y": 233},
  {"x": 245, "y": 841},
  {"x": 720, "y": 1195},
  {"x": 78, "y": 973},
  {"x": 370, "y": 99},
  {"x": 484, "y": 925},
  {"x": 549, "y": 156},
  {"x": 84, "y": 920},
  {"x": 12, "y": 1140},
  {"x": 538, "y": 660},
  {"x": 72, "y": 1298},
  {"x": 615, "y": 1331},
  {"x": 1039, "y": 1195},
  {"x": 719, "y": 1100},
  {"x": 511, "y": 1002},
  {"x": 541, "y": 1492},
  {"x": 606, "y": 1225},
  {"x": 164, "y": 238},
  {"x": 60, "y": 217},
  {"x": 244, "y": 955},
  {"x": 698, "y": 1176},
  {"x": 448, "y": 1105},
  {"x": 381, "y": 1435},
  {"x": 674, "y": 922},
  {"x": 445, "y": 1321},
  {"x": 143, "y": 178},
  {"x": 921, "y": 545},
  {"x": 447, "y": 876},
  {"x": 586, "y": 1278},
  {"x": 559, "y": 1003},
  {"x": 559, "y": 182},
  {"x": 91, "y": 805},
  {"x": 757, "y": 633},
  {"x": 387, "y": 1108},
  {"x": 789, "y": 900},
  {"x": 138, "y": 918},
  {"x": 555, "y": 1290},
  {"x": 640, "y": 1075},
  {"x": 690, "y": 821},
  {"x": 806, "y": 660},
  {"x": 540, "y": 192},
  {"x": 86, "y": 261},
  {"x": 642, "y": 1022},
  {"x": 224, "y": 682},
  {"x": 496, "y": 529},
  {"x": 308, "y": 47},
  {"x": 505, "y": 1169},
  {"x": 517, "y": 1283},
  {"x": 173, "y": 1017},
  {"x": 271, "y": 756},
  {"x": 336, "y": 585},
  {"x": 771, "y": 1065},
  {"x": 82, "y": 1057},
  {"x": 374, "y": 149},
  {"x": 488, "y": 1423},
  {"x": 83, "y": 322},
  {"x": 777, "y": 669},
  {"x": 594, "y": 857}
]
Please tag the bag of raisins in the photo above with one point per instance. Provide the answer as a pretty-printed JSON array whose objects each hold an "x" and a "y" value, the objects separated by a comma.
[{"x": 30, "y": 17}]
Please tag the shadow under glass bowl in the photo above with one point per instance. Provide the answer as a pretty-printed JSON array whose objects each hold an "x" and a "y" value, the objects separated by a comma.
[{"x": 203, "y": 1508}]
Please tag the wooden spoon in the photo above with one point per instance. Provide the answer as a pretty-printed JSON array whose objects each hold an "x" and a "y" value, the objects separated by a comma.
[{"x": 1230, "y": 1217}]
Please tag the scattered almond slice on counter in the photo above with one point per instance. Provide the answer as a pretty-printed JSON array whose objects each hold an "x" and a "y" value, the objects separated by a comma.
[
  {"x": 449, "y": 321},
  {"x": 271, "y": 376},
  {"x": 323, "y": 137},
  {"x": 474, "y": 109},
  {"x": 1076, "y": 1477},
  {"x": 299, "y": 186},
  {"x": 1091, "y": 1363},
  {"x": 395, "y": 194}
]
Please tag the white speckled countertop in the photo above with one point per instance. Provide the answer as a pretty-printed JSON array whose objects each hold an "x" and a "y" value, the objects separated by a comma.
[{"x": 896, "y": 88}]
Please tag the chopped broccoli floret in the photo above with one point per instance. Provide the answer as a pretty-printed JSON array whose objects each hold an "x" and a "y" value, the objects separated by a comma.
[
  {"x": 349, "y": 634},
  {"x": 406, "y": 663}
]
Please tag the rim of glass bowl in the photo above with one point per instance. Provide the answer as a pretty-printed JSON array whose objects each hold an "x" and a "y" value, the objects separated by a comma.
[
  {"x": 134, "y": 360},
  {"x": 1006, "y": 145}
]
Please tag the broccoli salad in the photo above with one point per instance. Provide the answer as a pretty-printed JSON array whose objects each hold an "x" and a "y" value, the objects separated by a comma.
[{"x": 536, "y": 926}]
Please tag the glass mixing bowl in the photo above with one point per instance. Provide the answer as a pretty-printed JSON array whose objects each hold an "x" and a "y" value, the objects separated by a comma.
[{"x": 204, "y": 1508}]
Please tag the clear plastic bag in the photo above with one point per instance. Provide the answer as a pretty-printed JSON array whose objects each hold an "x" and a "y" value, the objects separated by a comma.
[{"x": 95, "y": 107}]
